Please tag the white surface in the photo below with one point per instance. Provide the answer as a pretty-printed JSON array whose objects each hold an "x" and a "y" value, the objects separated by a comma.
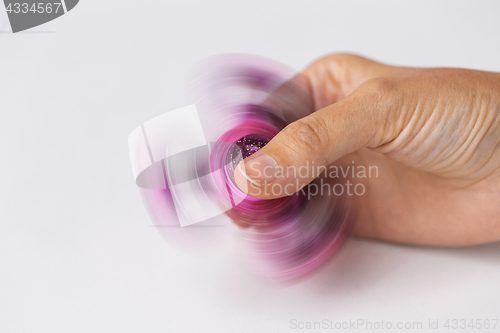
[{"x": 77, "y": 253}]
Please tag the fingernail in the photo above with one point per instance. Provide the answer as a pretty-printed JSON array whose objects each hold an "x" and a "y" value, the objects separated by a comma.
[{"x": 260, "y": 170}]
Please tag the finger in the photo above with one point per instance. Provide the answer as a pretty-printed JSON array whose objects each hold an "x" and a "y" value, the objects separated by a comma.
[
  {"x": 297, "y": 155},
  {"x": 336, "y": 76}
]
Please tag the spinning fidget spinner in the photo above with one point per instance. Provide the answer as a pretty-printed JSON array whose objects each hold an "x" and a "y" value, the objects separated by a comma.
[{"x": 184, "y": 160}]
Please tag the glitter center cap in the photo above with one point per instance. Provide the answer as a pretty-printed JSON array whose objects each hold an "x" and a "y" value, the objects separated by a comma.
[{"x": 249, "y": 144}]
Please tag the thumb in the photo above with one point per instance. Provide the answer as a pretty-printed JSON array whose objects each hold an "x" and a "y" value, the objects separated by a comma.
[{"x": 299, "y": 153}]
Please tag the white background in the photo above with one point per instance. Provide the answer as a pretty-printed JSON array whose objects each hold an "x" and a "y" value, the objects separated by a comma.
[{"x": 77, "y": 250}]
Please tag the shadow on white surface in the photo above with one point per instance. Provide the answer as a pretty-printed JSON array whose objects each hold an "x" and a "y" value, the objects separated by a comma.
[{"x": 363, "y": 264}]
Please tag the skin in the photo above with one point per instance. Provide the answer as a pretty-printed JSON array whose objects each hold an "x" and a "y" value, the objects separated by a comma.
[{"x": 433, "y": 133}]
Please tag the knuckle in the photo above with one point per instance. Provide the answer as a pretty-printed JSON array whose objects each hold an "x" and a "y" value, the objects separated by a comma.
[
  {"x": 383, "y": 99},
  {"x": 343, "y": 57},
  {"x": 307, "y": 135},
  {"x": 380, "y": 86}
]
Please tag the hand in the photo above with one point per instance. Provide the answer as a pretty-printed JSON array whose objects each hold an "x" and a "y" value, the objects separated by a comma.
[{"x": 432, "y": 133}]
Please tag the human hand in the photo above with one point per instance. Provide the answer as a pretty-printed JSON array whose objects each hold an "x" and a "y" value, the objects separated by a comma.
[{"x": 432, "y": 133}]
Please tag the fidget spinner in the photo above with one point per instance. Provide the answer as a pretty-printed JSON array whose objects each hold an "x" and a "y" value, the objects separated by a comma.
[{"x": 184, "y": 160}]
